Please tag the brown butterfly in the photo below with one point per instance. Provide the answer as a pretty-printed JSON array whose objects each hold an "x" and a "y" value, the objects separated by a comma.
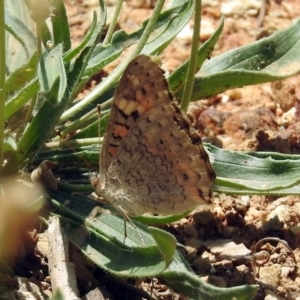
[{"x": 152, "y": 161}]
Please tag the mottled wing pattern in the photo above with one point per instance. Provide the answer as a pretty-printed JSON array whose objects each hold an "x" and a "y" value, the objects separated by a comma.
[
  {"x": 141, "y": 88},
  {"x": 151, "y": 160}
]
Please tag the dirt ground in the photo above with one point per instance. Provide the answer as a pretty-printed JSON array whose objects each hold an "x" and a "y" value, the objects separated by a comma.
[{"x": 262, "y": 117}]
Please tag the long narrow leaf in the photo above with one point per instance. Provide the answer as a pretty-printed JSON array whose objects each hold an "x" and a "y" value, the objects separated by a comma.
[
  {"x": 245, "y": 173},
  {"x": 169, "y": 28},
  {"x": 89, "y": 38},
  {"x": 61, "y": 32},
  {"x": 268, "y": 59},
  {"x": 181, "y": 279},
  {"x": 22, "y": 75},
  {"x": 101, "y": 239},
  {"x": 21, "y": 98},
  {"x": 52, "y": 67},
  {"x": 20, "y": 31}
]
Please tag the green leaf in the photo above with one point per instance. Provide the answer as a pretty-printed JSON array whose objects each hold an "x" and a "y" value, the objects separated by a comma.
[
  {"x": 20, "y": 38},
  {"x": 21, "y": 33},
  {"x": 244, "y": 173},
  {"x": 168, "y": 27},
  {"x": 268, "y": 59},
  {"x": 21, "y": 98},
  {"x": 51, "y": 68},
  {"x": 75, "y": 156},
  {"x": 101, "y": 239},
  {"x": 91, "y": 130},
  {"x": 180, "y": 278},
  {"x": 75, "y": 76},
  {"x": 166, "y": 243},
  {"x": 89, "y": 39},
  {"x": 60, "y": 26},
  {"x": 21, "y": 76}
]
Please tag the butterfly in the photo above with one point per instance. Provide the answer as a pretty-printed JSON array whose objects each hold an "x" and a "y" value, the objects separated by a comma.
[{"x": 152, "y": 160}]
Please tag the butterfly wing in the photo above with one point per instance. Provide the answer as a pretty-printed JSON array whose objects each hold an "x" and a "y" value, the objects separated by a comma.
[{"x": 151, "y": 159}]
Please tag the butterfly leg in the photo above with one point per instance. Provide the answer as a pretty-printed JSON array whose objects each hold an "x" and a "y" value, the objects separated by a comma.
[
  {"x": 127, "y": 218},
  {"x": 97, "y": 210}
]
